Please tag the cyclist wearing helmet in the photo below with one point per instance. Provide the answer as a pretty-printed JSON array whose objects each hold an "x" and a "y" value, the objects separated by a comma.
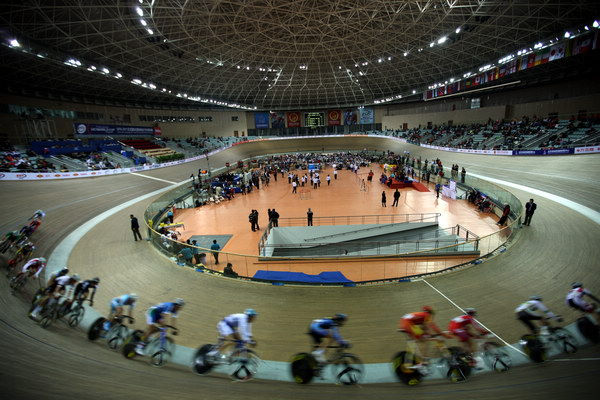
[
  {"x": 116, "y": 308},
  {"x": 33, "y": 267},
  {"x": 420, "y": 326},
  {"x": 60, "y": 287},
  {"x": 155, "y": 318},
  {"x": 535, "y": 310},
  {"x": 53, "y": 276},
  {"x": 236, "y": 328},
  {"x": 10, "y": 238},
  {"x": 575, "y": 298},
  {"x": 326, "y": 328},
  {"x": 465, "y": 327},
  {"x": 83, "y": 288}
]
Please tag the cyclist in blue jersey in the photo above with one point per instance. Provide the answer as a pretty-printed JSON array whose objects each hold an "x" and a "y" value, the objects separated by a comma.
[
  {"x": 326, "y": 328},
  {"x": 155, "y": 318},
  {"x": 116, "y": 308}
]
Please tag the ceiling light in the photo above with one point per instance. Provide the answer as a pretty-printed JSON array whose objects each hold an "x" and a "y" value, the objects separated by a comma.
[
  {"x": 431, "y": 44},
  {"x": 567, "y": 34},
  {"x": 14, "y": 43},
  {"x": 105, "y": 70},
  {"x": 248, "y": 68},
  {"x": 596, "y": 24},
  {"x": 139, "y": 11},
  {"x": 587, "y": 28},
  {"x": 150, "y": 31},
  {"x": 457, "y": 30},
  {"x": 380, "y": 60},
  {"x": 136, "y": 81},
  {"x": 143, "y": 22},
  {"x": 389, "y": 58},
  {"x": 92, "y": 67},
  {"x": 442, "y": 39},
  {"x": 414, "y": 91},
  {"x": 119, "y": 75}
]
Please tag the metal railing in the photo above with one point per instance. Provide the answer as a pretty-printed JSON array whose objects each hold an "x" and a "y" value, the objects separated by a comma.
[{"x": 390, "y": 267}]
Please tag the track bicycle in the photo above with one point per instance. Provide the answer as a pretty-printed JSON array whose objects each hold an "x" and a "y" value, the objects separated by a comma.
[
  {"x": 453, "y": 363},
  {"x": 347, "y": 368},
  {"x": 538, "y": 346},
  {"x": 159, "y": 349},
  {"x": 588, "y": 325},
  {"x": 116, "y": 334},
  {"x": 17, "y": 282},
  {"x": 494, "y": 356},
  {"x": 73, "y": 312},
  {"x": 243, "y": 361}
]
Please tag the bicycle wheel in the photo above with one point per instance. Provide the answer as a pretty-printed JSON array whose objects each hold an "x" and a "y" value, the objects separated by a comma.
[
  {"x": 348, "y": 369},
  {"x": 245, "y": 363},
  {"x": 128, "y": 350},
  {"x": 303, "y": 367},
  {"x": 116, "y": 336},
  {"x": 76, "y": 316},
  {"x": 459, "y": 370},
  {"x": 47, "y": 317},
  {"x": 403, "y": 364},
  {"x": 201, "y": 363},
  {"x": 96, "y": 329},
  {"x": 161, "y": 355},
  {"x": 588, "y": 329},
  {"x": 495, "y": 357},
  {"x": 564, "y": 340},
  {"x": 534, "y": 348}
]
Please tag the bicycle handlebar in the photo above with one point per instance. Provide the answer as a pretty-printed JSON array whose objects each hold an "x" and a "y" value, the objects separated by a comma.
[{"x": 169, "y": 327}]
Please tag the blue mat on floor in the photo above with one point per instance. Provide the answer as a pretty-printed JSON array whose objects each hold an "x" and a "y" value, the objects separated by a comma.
[{"x": 284, "y": 276}]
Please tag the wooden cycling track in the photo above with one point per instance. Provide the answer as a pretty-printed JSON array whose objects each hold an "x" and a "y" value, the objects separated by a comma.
[{"x": 559, "y": 247}]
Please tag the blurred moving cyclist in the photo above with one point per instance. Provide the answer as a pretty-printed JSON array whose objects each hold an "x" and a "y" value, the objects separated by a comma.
[
  {"x": 155, "y": 318},
  {"x": 575, "y": 299},
  {"x": 420, "y": 327},
  {"x": 234, "y": 328},
  {"x": 116, "y": 308},
  {"x": 326, "y": 328},
  {"x": 535, "y": 310}
]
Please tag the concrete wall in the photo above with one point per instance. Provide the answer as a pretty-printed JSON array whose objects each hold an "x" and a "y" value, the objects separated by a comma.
[
  {"x": 436, "y": 118},
  {"x": 221, "y": 124}
]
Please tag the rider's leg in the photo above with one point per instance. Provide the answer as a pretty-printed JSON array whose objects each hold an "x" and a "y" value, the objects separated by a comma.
[{"x": 526, "y": 320}]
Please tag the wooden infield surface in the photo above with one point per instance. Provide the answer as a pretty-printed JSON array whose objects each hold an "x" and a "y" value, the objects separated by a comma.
[{"x": 559, "y": 247}]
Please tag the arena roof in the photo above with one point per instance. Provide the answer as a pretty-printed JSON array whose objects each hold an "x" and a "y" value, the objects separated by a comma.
[{"x": 269, "y": 54}]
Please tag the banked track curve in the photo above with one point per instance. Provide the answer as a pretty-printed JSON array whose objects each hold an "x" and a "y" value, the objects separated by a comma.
[{"x": 557, "y": 248}]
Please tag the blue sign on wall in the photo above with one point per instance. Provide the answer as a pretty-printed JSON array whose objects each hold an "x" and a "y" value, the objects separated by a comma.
[{"x": 261, "y": 120}]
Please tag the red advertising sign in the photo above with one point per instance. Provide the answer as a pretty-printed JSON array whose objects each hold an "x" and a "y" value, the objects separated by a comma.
[
  {"x": 157, "y": 131},
  {"x": 293, "y": 119},
  {"x": 334, "y": 117}
]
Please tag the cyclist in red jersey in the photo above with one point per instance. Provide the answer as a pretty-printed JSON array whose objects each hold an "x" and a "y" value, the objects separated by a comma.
[{"x": 465, "y": 327}]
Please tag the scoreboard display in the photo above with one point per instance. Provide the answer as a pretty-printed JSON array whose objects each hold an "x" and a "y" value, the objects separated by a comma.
[{"x": 314, "y": 119}]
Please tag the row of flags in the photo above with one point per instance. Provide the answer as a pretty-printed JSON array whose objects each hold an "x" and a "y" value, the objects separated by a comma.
[{"x": 566, "y": 48}]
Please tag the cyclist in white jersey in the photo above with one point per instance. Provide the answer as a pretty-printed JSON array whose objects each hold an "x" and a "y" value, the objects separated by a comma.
[
  {"x": 117, "y": 305},
  {"x": 235, "y": 327},
  {"x": 575, "y": 298},
  {"x": 535, "y": 310},
  {"x": 62, "y": 286}
]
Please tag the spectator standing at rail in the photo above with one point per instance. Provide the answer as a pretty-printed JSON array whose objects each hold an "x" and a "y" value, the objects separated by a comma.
[
  {"x": 309, "y": 217},
  {"x": 438, "y": 186},
  {"x": 275, "y": 218},
  {"x": 215, "y": 250},
  {"x": 295, "y": 186},
  {"x": 383, "y": 199},
  {"x": 463, "y": 173},
  {"x": 505, "y": 213},
  {"x": 328, "y": 180},
  {"x": 334, "y": 173},
  {"x": 135, "y": 228},
  {"x": 529, "y": 210},
  {"x": 187, "y": 254},
  {"x": 396, "y": 198}
]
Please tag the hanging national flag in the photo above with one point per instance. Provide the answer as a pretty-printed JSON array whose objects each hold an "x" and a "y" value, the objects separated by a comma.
[{"x": 582, "y": 44}]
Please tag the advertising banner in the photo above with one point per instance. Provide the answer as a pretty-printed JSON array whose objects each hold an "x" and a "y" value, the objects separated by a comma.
[
  {"x": 350, "y": 117},
  {"x": 367, "y": 115},
  {"x": 112, "y": 130},
  {"x": 334, "y": 117},
  {"x": 277, "y": 120},
  {"x": 293, "y": 119},
  {"x": 587, "y": 150},
  {"x": 261, "y": 120}
]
